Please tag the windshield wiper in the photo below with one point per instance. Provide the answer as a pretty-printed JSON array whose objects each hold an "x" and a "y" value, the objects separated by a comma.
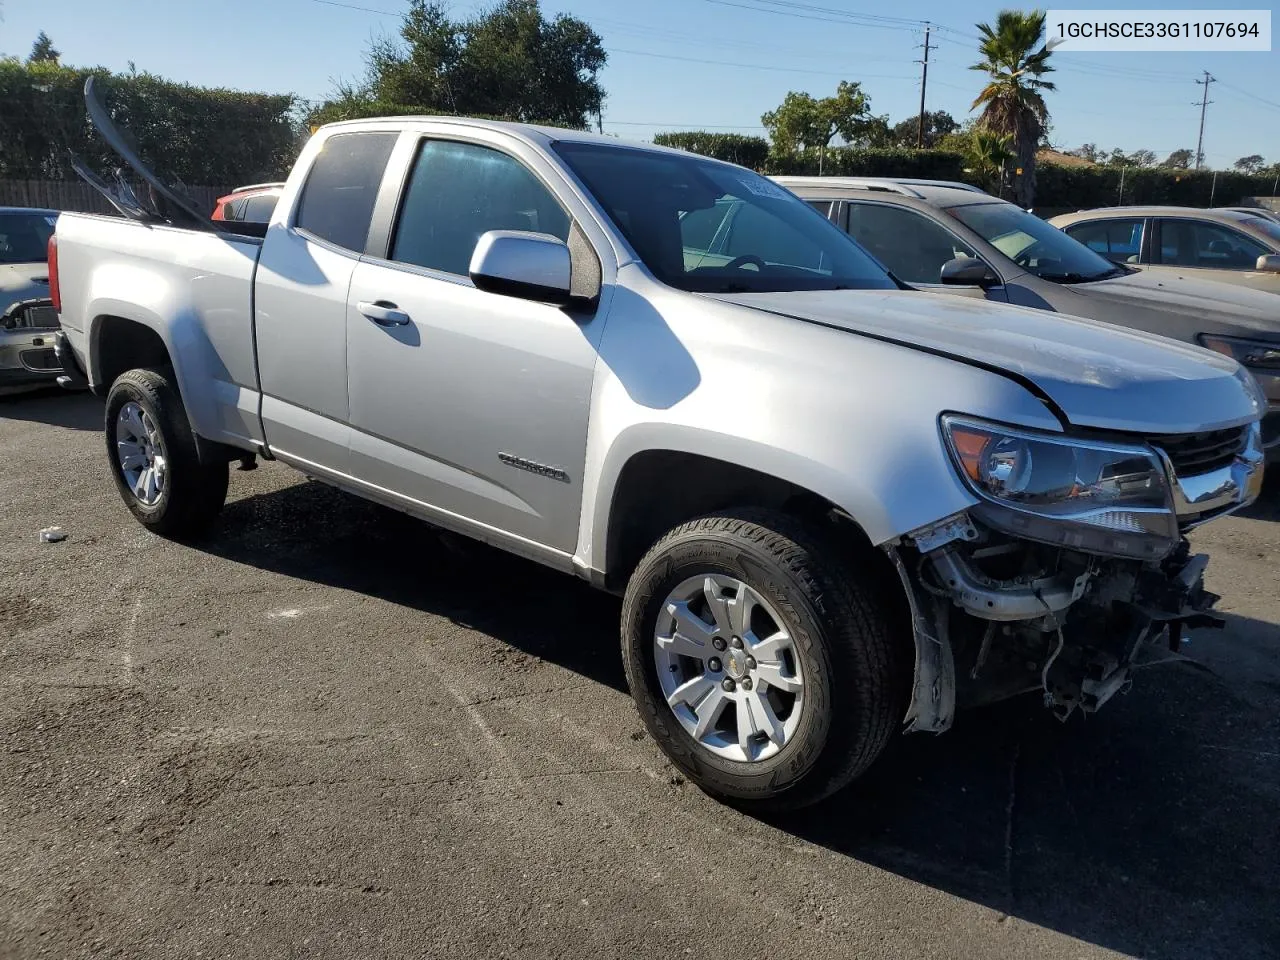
[
  {"x": 1070, "y": 277},
  {"x": 1073, "y": 277}
]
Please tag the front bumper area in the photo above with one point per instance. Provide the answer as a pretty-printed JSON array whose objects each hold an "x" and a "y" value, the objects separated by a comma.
[
  {"x": 27, "y": 357},
  {"x": 996, "y": 617}
]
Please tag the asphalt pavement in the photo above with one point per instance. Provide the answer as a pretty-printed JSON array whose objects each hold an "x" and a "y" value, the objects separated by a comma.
[{"x": 325, "y": 731}]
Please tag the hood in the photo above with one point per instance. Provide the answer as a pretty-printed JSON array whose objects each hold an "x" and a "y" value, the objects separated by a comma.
[
  {"x": 1098, "y": 375},
  {"x": 1220, "y": 307},
  {"x": 22, "y": 281}
]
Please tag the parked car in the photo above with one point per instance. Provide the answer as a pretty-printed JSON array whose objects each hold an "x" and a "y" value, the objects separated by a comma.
[
  {"x": 27, "y": 318},
  {"x": 829, "y": 503},
  {"x": 1223, "y": 245},
  {"x": 954, "y": 238},
  {"x": 252, "y": 203},
  {"x": 1262, "y": 212}
]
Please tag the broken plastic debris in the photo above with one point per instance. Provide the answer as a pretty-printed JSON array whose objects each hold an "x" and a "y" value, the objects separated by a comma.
[{"x": 52, "y": 535}]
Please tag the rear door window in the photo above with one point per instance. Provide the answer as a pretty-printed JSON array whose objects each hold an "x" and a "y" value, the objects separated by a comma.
[
  {"x": 1119, "y": 240},
  {"x": 338, "y": 197},
  {"x": 1191, "y": 243},
  {"x": 912, "y": 246}
]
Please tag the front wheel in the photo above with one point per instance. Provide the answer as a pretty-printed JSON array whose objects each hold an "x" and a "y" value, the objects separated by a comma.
[
  {"x": 761, "y": 662},
  {"x": 154, "y": 459}
]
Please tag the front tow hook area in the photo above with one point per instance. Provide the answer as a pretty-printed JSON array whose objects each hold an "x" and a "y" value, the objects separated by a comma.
[{"x": 72, "y": 377}]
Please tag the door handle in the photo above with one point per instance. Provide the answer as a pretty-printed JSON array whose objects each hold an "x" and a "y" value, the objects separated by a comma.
[{"x": 383, "y": 312}]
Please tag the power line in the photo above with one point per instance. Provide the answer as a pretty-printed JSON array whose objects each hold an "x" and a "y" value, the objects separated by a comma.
[
  {"x": 352, "y": 6},
  {"x": 1251, "y": 96},
  {"x": 759, "y": 66},
  {"x": 910, "y": 25},
  {"x": 683, "y": 37},
  {"x": 1204, "y": 104}
]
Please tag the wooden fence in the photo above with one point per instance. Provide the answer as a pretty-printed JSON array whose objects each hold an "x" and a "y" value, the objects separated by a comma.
[{"x": 78, "y": 196}]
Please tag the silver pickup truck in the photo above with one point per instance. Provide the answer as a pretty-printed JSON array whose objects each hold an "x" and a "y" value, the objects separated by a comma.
[{"x": 835, "y": 508}]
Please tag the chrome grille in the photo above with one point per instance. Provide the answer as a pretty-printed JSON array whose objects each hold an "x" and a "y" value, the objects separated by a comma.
[{"x": 1194, "y": 453}]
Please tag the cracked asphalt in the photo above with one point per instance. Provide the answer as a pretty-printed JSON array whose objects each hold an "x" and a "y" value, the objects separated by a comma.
[{"x": 327, "y": 732}]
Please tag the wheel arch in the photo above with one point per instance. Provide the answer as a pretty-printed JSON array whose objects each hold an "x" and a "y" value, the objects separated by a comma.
[{"x": 124, "y": 336}]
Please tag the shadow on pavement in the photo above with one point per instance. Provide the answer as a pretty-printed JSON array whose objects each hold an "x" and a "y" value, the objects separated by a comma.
[
  {"x": 314, "y": 532},
  {"x": 1150, "y": 828},
  {"x": 54, "y": 406}
]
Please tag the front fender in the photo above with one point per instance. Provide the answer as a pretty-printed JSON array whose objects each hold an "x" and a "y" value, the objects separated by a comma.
[{"x": 851, "y": 419}]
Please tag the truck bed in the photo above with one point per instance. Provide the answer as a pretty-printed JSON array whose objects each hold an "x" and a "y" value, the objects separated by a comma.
[{"x": 193, "y": 288}]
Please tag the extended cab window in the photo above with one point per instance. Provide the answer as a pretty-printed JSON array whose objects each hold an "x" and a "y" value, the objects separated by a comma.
[
  {"x": 337, "y": 200},
  {"x": 460, "y": 191},
  {"x": 912, "y": 246}
]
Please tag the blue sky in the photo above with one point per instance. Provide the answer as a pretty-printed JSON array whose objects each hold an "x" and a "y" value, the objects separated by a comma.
[{"x": 705, "y": 64}]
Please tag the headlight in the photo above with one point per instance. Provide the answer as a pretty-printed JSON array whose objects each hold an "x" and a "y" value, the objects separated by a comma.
[
  {"x": 1256, "y": 354},
  {"x": 1098, "y": 497}
]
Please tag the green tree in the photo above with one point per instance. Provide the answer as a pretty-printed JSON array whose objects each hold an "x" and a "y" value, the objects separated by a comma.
[
  {"x": 876, "y": 134},
  {"x": 1088, "y": 151},
  {"x": 1251, "y": 164},
  {"x": 1014, "y": 57},
  {"x": 988, "y": 155},
  {"x": 509, "y": 62},
  {"x": 803, "y": 122},
  {"x": 1179, "y": 159},
  {"x": 937, "y": 124},
  {"x": 42, "y": 51}
]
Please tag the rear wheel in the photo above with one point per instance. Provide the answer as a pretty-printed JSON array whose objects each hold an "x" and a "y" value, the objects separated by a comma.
[
  {"x": 760, "y": 661},
  {"x": 154, "y": 459}
]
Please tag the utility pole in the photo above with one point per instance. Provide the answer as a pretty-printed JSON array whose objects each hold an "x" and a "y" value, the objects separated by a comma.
[
  {"x": 924, "y": 82},
  {"x": 1204, "y": 102}
]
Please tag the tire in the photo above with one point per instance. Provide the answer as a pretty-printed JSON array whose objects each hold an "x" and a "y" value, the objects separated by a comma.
[
  {"x": 192, "y": 492},
  {"x": 855, "y": 674}
]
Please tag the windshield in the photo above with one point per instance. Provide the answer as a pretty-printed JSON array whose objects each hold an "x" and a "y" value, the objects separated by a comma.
[
  {"x": 1034, "y": 244},
  {"x": 709, "y": 227},
  {"x": 1268, "y": 227},
  {"x": 24, "y": 237}
]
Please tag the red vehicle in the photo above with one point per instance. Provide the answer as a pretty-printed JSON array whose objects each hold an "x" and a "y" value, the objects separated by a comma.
[{"x": 253, "y": 203}]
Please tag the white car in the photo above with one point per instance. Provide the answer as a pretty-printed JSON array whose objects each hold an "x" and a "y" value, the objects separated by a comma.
[{"x": 27, "y": 318}]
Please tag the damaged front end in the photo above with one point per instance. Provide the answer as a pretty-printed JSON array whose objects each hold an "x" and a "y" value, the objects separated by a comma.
[{"x": 1070, "y": 569}]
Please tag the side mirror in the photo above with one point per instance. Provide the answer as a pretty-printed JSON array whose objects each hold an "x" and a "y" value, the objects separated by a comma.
[
  {"x": 517, "y": 263},
  {"x": 1268, "y": 263},
  {"x": 968, "y": 272}
]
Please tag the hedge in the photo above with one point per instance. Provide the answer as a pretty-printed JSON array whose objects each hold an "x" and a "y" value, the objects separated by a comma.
[
  {"x": 1067, "y": 188},
  {"x": 194, "y": 134},
  {"x": 736, "y": 148},
  {"x": 1084, "y": 187}
]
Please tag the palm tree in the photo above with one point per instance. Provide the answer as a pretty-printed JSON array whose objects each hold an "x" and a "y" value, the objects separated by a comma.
[
  {"x": 1015, "y": 57},
  {"x": 987, "y": 154}
]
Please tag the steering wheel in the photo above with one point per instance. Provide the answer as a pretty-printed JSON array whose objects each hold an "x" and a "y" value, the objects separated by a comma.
[
  {"x": 742, "y": 261},
  {"x": 1024, "y": 258}
]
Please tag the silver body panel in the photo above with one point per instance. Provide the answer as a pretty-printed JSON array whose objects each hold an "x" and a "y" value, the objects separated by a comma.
[{"x": 513, "y": 420}]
